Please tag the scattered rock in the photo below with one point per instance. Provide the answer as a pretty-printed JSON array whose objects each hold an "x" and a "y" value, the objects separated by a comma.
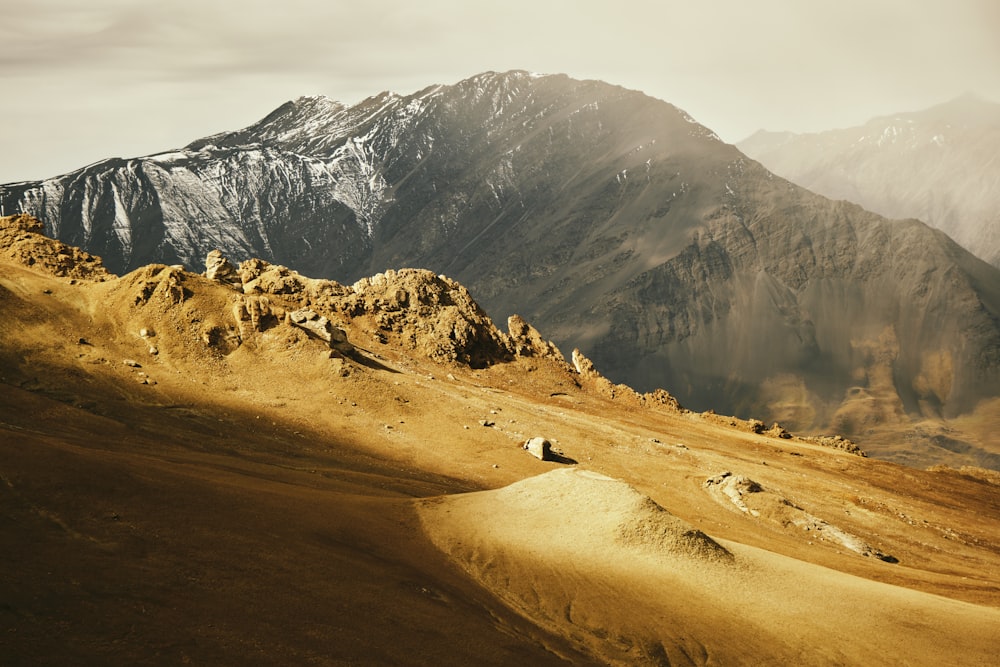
[
  {"x": 735, "y": 487},
  {"x": 836, "y": 442},
  {"x": 753, "y": 499},
  {"x": 132, "y": 363}
]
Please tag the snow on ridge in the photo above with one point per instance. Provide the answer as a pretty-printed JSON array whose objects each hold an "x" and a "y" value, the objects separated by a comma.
[{"x": 170, "y": 157}]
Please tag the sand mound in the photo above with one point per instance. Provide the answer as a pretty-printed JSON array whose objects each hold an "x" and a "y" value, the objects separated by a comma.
[
  {"x": 568, "y": 548},
  {"x": 594, "y": 560},
  {"x": 589, "y": 511}
]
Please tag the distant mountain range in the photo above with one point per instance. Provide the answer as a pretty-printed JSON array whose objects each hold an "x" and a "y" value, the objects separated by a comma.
[
  {"x": 939, "y": 165},
  {"x": 610, "y": 220}
]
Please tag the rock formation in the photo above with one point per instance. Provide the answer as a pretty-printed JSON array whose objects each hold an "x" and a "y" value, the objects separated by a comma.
[
  {"x": 22, "y": 239},
  {"x": 221, "y": 269}
]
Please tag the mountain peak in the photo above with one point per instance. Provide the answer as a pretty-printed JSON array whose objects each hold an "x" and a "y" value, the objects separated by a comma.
[{"x": 969, "y": 108}]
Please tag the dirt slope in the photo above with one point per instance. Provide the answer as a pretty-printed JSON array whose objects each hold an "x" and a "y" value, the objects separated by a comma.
[{"x": 242, "y": 493}]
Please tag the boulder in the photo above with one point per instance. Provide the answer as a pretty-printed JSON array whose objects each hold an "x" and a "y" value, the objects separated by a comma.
[
  {"x": 320, "y": 327},
  {"x": 539, "y": 447},
  {"x": 221, "y": 269}
]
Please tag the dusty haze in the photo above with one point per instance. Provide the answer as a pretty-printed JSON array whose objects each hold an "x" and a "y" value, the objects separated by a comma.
[{"x": 117, "y": 78}]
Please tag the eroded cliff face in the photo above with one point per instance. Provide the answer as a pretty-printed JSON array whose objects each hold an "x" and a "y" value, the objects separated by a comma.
[
  {"x": 798, "y": 308},
  {"x": 612, "y": 221}
]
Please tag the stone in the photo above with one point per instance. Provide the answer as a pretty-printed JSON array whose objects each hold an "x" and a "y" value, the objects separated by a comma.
[
  {"x": 320, "y": 327},
  {"x": 538, "y": 447},
  {"x": 220, "y": 269}
]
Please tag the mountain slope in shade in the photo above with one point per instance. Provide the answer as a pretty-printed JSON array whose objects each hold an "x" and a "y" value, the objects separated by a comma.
[
  {"x": 938, "y": 165},
  {"x": 611, "y": 220}
]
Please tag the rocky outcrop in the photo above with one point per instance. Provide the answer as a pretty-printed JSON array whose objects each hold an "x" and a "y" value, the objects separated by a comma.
[
  {"x": 221, "y": 269},
  {"x": 590, "y": 377},
  {"x": 836, "y": 442},
  {"x": 22, "y": 239},
  {"x": 420, "y": 311},
  {"x": 429, "y": 313},
  {"x": 528, "y": 342},
  {"x": 255, "y": 314}
]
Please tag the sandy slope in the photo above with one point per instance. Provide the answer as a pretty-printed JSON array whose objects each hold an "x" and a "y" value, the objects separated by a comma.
[
  {"x": 592, "y": 557},
  {"x": 274, "y": 505}
]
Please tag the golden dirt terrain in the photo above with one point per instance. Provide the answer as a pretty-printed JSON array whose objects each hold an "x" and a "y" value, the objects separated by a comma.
[{"x": 189, "y": 477}]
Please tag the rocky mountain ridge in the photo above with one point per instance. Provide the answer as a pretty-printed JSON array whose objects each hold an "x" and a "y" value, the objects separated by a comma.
[
  {"x": 610, "y": 220},
  {"x": 426, "y": 315},
  {"x": 937, "y": 165}
]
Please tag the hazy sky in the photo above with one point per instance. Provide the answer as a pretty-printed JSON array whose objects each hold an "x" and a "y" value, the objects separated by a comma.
[{"x": 87, "y": 80}]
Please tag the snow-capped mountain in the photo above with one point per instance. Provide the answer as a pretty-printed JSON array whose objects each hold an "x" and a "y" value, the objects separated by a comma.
[
  {"x": 611, "y": 220},
  {"x": 939, "y": 165}
]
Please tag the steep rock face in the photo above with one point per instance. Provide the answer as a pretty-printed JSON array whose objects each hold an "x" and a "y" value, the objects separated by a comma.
[
  {"x": 799, "y": 308},
  {"x": 938, "y": 165},
  {"x": 609, "y": 219},
  {"x": 169, "y": 208}
]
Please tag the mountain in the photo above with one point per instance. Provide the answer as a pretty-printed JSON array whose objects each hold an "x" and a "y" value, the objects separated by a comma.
[
  {"x": 938, "y": 165},
  {"x": 194, "y": 470},
  {"x": 610, "y": 219}
]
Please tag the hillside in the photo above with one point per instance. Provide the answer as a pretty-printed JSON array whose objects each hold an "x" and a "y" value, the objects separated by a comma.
[
  {"x": 609, "y": 219},
  {"x": 938, "y": 165},
  {"x": 193, "y": 470}
]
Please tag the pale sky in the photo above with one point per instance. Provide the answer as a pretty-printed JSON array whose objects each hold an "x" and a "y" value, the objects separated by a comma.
[{"x": 87, "y": 80}]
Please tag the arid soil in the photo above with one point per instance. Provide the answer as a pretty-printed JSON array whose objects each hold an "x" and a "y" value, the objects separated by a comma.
[{"x": 180, "y": 485}]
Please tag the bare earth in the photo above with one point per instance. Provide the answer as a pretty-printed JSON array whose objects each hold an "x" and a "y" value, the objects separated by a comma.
[{"x": 274, "y": 502}]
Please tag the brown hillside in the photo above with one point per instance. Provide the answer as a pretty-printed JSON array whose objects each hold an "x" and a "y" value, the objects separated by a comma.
[{"x": 192, "y": 471}]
